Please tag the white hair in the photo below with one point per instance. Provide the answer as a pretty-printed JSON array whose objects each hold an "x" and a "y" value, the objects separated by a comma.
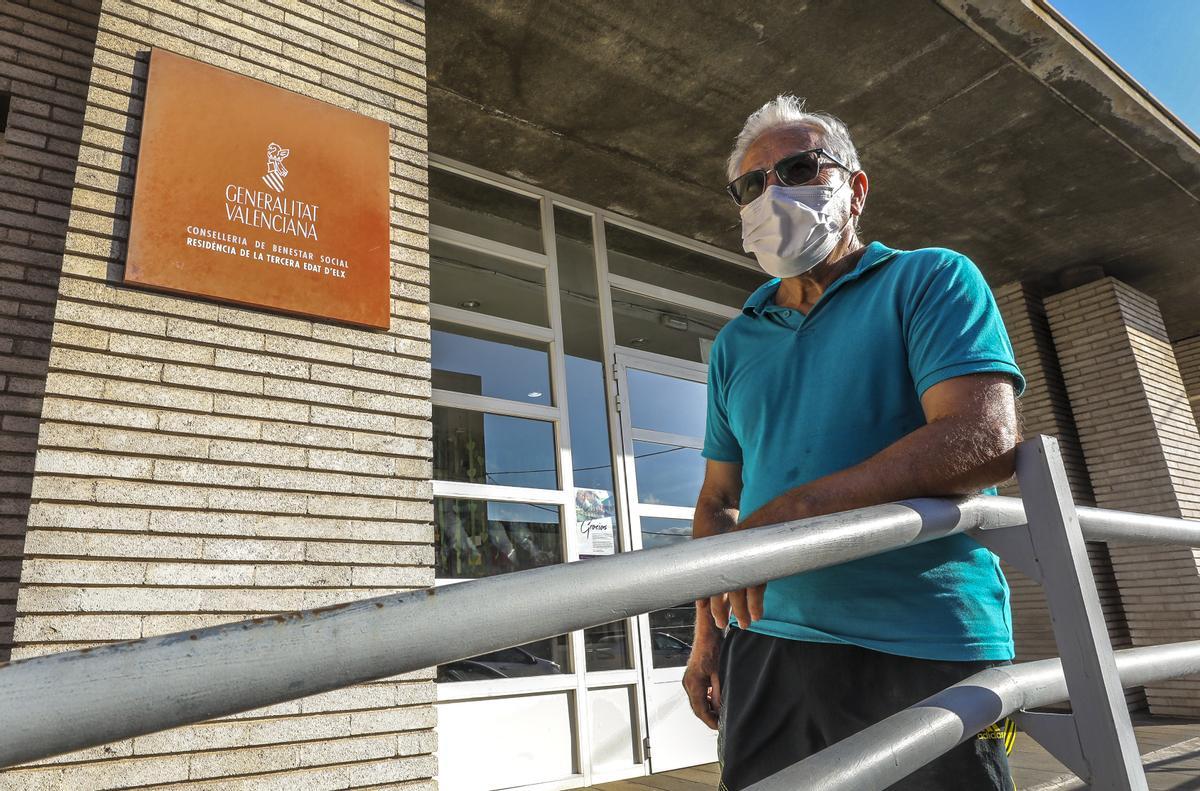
[{"x": 788, "y": 110}]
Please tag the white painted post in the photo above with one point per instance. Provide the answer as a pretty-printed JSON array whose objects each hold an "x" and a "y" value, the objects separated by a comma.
[{"x": 1100, "y": 717}]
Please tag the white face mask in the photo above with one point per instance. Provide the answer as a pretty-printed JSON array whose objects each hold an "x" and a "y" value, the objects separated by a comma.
[{"x": 792, "y": 229}]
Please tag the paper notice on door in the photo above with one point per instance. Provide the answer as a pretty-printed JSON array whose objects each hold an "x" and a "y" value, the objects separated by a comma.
[{"x": 595, "y": 522}]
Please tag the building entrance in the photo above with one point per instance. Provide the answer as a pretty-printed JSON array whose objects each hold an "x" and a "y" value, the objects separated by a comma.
[{"x": 569, "y": 351}]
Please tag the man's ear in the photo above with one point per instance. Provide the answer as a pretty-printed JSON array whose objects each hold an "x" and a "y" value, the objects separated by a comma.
[{"x": 859, "y": 186}]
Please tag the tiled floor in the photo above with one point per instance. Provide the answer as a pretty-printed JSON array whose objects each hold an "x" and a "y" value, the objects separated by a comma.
[{"x": 1170, "y": 749}]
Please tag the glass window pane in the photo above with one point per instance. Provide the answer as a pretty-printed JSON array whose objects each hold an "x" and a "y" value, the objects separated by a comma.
[
  {"x": 588, "y": 411},
  {"x": 670, "y": 629},
  {"x": 479, "y": 447},
  {"x": 577, "y": 284},
  {"x": 607, "y": 647},
  {"x": 591, "y": 455},
  {"x": 468, "y": 360},
  {"x": 666, "y": 403},
  {"x": 663, "y": 327},
  {"x": 461, "y": 278},
  {"x": 480, "y": 538},
  {"x": 671, "y": 635},
  {"x": 469, "y": 205},
  {"x": 542, "y": 658},
  {"x": 659, "y": 531},
  {"x": 661, "y": 263},
  {"x": 667, "y": 474}
]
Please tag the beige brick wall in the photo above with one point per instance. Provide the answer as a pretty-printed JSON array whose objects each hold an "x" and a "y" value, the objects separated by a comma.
[
  {"x": 45, "y": 56},
  {"x": 1187, "y": 354},
  {"x": 1143, "y": 453},
  {"x": 1045, "y": 409},
  {"x": 200, "y": 463},
  {"x": 1032, "y": 631}
]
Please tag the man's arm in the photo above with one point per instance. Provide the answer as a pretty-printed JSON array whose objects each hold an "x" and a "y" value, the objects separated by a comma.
[
  {"x": 968, "y": 443},
  {"x": 716, "y": 512}
]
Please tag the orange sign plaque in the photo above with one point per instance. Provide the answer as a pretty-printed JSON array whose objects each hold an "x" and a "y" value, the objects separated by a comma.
[{"x": 253, "y": 194}]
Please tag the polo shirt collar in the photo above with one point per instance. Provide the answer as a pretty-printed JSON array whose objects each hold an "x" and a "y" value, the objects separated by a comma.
[{"x": 763, "y": 299}]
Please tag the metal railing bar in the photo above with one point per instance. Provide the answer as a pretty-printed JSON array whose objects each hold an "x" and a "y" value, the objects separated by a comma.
[
  {"x": 893, "y": 748},
  {"x": 1100, "y": 524},
  {"x": 69, "y": 701}
]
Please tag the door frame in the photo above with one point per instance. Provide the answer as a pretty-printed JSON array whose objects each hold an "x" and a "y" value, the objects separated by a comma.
[{"x": 625, "y": 358}]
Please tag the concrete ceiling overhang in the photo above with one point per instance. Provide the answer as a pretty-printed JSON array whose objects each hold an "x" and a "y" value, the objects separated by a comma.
[{"x": 983, "y": 125}]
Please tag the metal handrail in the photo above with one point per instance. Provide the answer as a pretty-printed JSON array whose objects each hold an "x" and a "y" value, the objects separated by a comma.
[
  {"x": 67, "y": 701},
  {"x": 77, "y": 699}
]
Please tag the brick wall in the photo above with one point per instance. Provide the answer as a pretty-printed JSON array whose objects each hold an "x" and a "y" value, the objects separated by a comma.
[
  {"x": 1142, "y": 449},
  {"x": 1187, "y": 354},
  {"x": 1045, "y": 409},
  {"x": 200, "y": 463},
  {"x": 45, "y": 56}
]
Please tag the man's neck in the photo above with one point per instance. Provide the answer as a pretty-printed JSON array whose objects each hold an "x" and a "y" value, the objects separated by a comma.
[{"x": 802, "y": 292}]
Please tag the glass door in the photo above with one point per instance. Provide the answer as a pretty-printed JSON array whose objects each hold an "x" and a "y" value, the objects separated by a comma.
[{"x": 662, "y": 412}]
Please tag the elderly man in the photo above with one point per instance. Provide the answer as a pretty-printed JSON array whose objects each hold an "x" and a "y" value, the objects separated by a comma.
[{"x": 859, "y": 375}]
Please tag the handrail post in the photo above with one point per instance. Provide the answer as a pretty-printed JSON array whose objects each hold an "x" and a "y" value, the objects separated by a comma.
[{"x": 1100, "y": 716}]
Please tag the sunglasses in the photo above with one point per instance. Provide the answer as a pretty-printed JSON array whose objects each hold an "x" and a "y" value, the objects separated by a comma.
[{"x": 792, "y": 171}]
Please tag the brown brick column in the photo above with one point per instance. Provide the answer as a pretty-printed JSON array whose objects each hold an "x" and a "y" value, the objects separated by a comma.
[
  {"x": 1142, "y": 450},
  {"x": 1187, "y": 354},
  {"x": 1045, "y": 409},
  {"x": 199, "y": 462}
]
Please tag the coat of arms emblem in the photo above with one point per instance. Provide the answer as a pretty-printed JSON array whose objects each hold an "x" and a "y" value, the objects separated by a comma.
[{"x": 276, "y": 172}]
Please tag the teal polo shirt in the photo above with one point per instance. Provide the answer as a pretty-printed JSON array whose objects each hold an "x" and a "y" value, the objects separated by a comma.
[{"x": 795, "y": 397}]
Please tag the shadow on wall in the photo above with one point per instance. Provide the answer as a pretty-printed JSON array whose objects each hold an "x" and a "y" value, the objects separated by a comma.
[
  {"x": 131, "y": 140},
  {"x": 42, "y": 125}
]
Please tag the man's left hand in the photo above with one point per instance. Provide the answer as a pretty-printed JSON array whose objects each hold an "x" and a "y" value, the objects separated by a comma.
[{"x": 747, "y": 604}]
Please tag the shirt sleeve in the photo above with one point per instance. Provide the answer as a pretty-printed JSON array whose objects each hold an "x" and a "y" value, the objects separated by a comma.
[
  {"x": 953, "y": 328},
  {"x": 719, "y": 441}
]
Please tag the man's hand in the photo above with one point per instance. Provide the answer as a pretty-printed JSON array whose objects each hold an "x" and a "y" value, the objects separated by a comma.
[
  {"x": 700, "y": 677},
  {"x": 747, "y": 604}
]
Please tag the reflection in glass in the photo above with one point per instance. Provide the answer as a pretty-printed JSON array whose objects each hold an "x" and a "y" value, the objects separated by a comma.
[
  {"x": 478, "y": 538},
  {"x": 471, "y": 280},
  {"x": 607, "y": 647},
  {"x": 671, "y": 635},
  {"x": 467, "y": 360},
  {"x": 666, "y": 403},
  {"x": 660, "y": 531},
  {"x": 661, "y": 263},
  {"x": 663, "y": 327},
  {"x": 479, "y": 447},
  {"x": 670, "y": 629},
  {"x": 542, "y": 658},
  {"x": 589, "y": 424},
  {"x": 474, "y": 207},
  {"x": 667, "y": 474}
]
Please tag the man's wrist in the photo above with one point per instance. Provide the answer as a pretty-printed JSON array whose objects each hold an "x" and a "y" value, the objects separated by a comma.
[
  {"x": 709, "y": 638},
  {"x": 706, "y": 632},
  {"x": 794, "y": 504}
]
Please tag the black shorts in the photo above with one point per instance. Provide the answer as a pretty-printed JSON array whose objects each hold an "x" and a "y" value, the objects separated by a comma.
[{"x": 783, "y": 700}]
